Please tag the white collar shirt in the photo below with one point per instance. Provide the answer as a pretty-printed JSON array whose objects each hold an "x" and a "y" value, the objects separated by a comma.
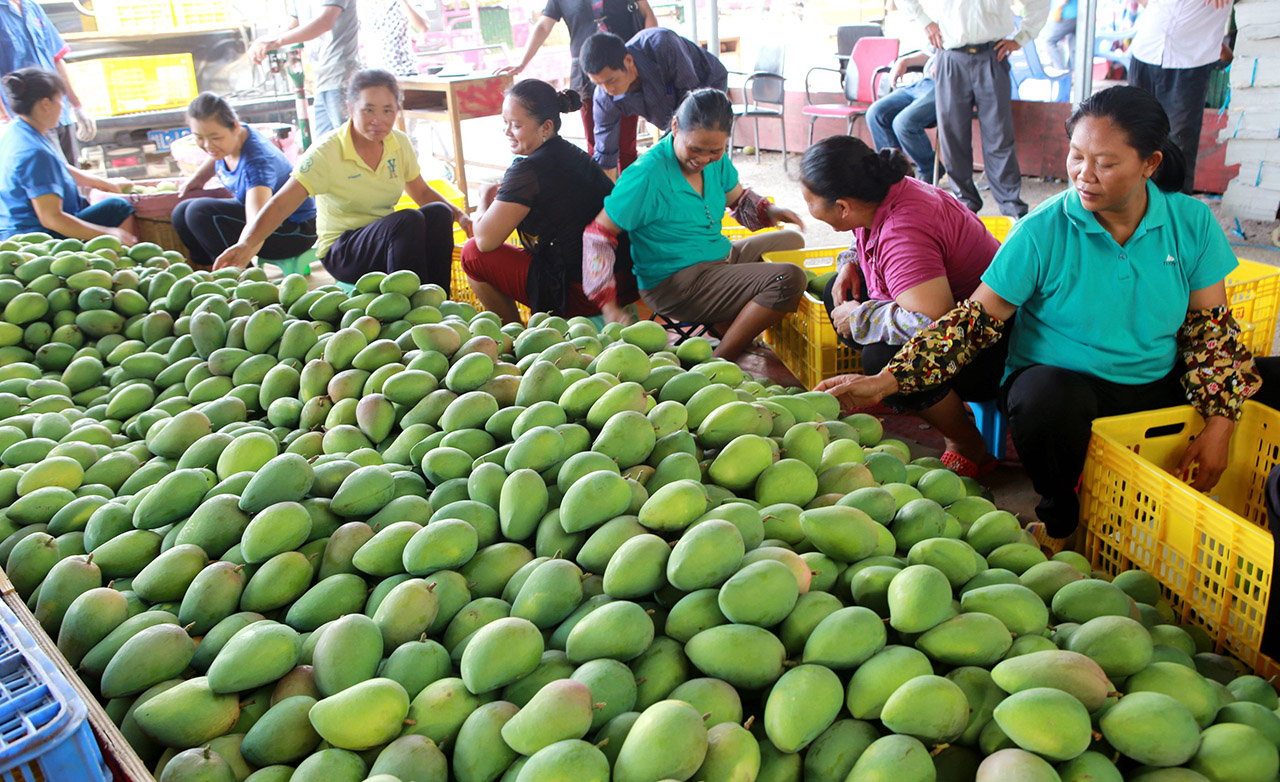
[
  {"x": 972, "y": 22},
  {"x": 1180, "y": 33}
]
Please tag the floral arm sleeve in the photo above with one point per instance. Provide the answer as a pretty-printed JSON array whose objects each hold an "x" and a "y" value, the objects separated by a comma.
[
  {"x": 599, "y": 252},
  {"x": 938, "y": 353},
  {"x": 752, "y": 210},
  {"x": 1220, "y": 373}
]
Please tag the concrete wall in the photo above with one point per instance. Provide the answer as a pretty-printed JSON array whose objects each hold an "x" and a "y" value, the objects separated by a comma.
[{"x": 1042, "y": 141}]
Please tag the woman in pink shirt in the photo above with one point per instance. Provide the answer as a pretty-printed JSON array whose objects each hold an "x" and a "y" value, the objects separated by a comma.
[{"x": 916, "y": 252}]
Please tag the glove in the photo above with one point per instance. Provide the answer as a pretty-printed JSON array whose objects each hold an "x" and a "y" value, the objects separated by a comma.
[{"x": 86, "y": 128}]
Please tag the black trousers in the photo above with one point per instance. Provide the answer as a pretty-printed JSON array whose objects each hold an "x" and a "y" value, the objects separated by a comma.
[
  {"x": 1182, "y": 92},
  {"x": 1269, "y": 394},
  {"x": 1051, "y": 412},
  {"x": 420, "y": 240},
  {"x": 207, "y": 226},
  {"x": 977, "y": 382}
]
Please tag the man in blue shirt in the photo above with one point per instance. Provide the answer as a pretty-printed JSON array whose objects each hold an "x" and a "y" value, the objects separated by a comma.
[
  {"x": 647, "y": 76},
  {"x": 29, "y": 40}
]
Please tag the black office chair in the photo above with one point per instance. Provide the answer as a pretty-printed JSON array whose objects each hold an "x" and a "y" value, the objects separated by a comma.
[{"x": 763, "y": 95}]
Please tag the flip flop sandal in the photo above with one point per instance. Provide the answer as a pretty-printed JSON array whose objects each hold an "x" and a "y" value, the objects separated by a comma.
[
  {"x": 960, "y": 465},
  {"x": 966, "y": 467}
]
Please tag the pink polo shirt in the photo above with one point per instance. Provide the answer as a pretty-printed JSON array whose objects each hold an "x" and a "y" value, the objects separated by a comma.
[{"x": 920, "y": 233}]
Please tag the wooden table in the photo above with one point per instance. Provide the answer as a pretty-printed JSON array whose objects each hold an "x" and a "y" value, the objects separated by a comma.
[{"x": 452, "y": 99}]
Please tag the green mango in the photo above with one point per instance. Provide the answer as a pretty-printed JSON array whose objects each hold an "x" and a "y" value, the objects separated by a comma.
[
  {"x": 362, "y": 716},
  {"x": 347, "y": 653},
  {"x": 258, "y": 654},
  {"x": 187, "y": 715},
  {"x": 668, "y": 740},
  {"x": 561, "y": 710}
]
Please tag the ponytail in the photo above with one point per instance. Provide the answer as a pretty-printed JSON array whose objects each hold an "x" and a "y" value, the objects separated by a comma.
[
  {"x": 1143, "y": 119},
  {"x": 1171, "y": 174},
  {"x": 845, "y": 167},
  {"x": 543, "y": 103}
]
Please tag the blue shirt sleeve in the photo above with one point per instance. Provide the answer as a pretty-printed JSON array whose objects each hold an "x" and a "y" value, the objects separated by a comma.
[
  {"x": 1014, "y": 273},
  {"x": 55, "y": 41},
  {"x": 41, "y": 174},
  {"x": 1215, "y": 259},
  {"x": 607, "y": 116}
]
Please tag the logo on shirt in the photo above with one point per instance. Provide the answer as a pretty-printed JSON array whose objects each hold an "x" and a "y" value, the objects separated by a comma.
[
  {"x": 1170, "y": 260},
  {"x": 391, "y": 167},
  {"x": 353, "y": 176},
  {"x": 305, "y": 166}
]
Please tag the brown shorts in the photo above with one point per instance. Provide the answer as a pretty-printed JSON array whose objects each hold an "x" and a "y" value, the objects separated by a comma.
[{"x": 716, "y": 291}]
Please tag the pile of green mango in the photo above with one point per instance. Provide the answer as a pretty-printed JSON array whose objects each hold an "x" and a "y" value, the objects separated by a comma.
[{"x": 306, "y": 535}]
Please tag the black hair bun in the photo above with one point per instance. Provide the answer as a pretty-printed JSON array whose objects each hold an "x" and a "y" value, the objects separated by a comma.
[
  {"x": 569, "y": 101},
  {"x": 14, "y": 84}
]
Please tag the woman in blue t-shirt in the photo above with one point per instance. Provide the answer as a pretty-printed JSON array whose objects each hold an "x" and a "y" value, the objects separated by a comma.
[
  {"x": 37, "y": 188},
  {"x": 253, "y": 169},
  {"x": 1118, "y": 288}
]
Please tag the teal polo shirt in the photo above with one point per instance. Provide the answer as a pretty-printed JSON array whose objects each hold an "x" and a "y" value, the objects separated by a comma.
[
  {"x": 670, "y": 225},
  {"x": 1088, "y": 304}
]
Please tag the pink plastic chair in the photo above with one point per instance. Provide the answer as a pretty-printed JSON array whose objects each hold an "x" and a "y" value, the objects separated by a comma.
[{"x": 870, "y": 54}]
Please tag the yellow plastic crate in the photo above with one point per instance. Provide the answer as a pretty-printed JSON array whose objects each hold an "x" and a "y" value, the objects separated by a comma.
[
  {"x": 132, "y": 16},
  {"x": 1211, "y": 553},
  {"x": 201, "y": 13},
  {"x": 734, "y": 230},
  {"x": 1253, "y": 338},
  {"x": 806, "y": 342},
  {"x": 450, "y": 193},
  {"x": 124, "y": 85},
  {"x": 998, "y": 226},
  {"x": 460, "y": 289},
  {"x": 1253, "y": 291}
]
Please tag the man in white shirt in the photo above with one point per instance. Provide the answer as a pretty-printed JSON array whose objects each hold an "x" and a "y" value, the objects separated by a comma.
[
  {"x": 1177, "y": 45},
  {"x": 975, "y": 39}
]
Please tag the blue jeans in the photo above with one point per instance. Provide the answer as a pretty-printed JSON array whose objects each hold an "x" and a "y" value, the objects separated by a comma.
[
  {"x": 328, "y": 112},
  {"x": 108, "y": 213},
  {"x": 899, "y": 120}
]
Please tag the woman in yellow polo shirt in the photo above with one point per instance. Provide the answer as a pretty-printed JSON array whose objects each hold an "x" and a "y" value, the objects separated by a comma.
[{"x": 357, "y": 174}]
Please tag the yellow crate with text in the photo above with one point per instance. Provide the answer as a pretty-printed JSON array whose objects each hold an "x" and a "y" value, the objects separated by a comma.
[
  {"x": 125, "y": 85},
  {"x": 131, "y": 16},
  {"x": 460, "y": 289},
  {"x": 201, "y": 13},
  {"x": 1211, "y": 553},
  {"x": 1253, "y": 292},
  {"x": 805, "y": 342}
]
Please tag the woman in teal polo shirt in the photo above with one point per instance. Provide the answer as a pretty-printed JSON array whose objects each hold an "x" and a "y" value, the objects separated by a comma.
[
  {"x": 671, "y": 203},
  {"x": 1118, "y": 288}
]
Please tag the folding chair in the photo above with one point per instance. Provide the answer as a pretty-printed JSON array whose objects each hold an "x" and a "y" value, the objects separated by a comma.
[{"x": 685, "y": 329}]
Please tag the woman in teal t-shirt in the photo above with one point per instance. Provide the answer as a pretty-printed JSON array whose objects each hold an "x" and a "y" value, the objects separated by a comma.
[
  {"x": 1118, "y": 288},
  {"x": 671, "y": 203}
]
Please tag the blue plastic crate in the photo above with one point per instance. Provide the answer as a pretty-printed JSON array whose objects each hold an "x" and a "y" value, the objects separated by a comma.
[{"x": 44, "y": 726}]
